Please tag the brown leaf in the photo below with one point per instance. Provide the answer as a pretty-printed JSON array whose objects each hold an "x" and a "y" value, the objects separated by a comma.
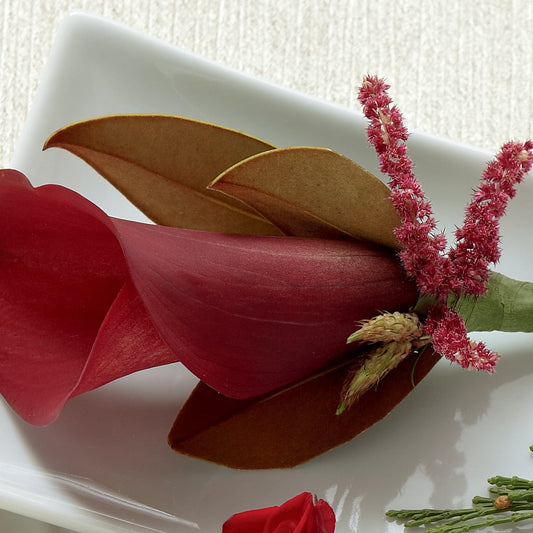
[
  {"x": 163, "y": 165},
  {"x": 314, "y": 192},
  {"x": 287, "y": 427}
]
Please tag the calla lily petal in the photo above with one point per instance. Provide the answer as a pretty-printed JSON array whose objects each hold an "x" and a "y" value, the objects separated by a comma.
[
  {"x": 127, "y": 341},
  {"x": 250, "y": 314},
  {"x": 61, "y": 271},
  {"x": 246, "y": 314}
]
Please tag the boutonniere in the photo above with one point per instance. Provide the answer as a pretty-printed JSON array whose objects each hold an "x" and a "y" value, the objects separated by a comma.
[{"x": 302, "y": 291}]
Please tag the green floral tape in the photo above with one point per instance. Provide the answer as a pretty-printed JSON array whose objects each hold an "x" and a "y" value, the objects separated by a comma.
[{"x": 506, "y": 306}]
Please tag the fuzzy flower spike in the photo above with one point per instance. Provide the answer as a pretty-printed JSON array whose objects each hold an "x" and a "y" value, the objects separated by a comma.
[{"x": 462, "y": 273}]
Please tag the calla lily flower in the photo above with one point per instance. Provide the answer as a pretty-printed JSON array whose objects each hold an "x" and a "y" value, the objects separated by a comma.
[{"x": 87, "y": 298}]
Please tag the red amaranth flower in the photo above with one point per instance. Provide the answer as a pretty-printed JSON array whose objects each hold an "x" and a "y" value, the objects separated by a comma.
[
  {"x": 449, "y": 338},
  {"x": 477, "y": 241},
  {"x": 465, "y": 268},
  {"x": 422, "y": 247}
]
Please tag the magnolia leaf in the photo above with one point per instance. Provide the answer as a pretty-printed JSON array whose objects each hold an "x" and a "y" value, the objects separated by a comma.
[
  {"x": 287, "y": 427},
  {"x": 314, "y": 192},
  {"x": 163, "y": 165}
]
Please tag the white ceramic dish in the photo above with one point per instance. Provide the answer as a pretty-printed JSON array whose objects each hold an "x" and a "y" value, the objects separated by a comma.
[{"x": 105, "y": 466}]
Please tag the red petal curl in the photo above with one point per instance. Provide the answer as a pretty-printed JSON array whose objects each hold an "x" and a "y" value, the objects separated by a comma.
[
  {"x": 85, "y": 299},
  {"x": 69, "y": 314}
]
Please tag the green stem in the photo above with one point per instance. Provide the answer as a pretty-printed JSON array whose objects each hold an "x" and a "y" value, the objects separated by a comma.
[
  {"x": 506, "y": 306},
  {"x": 514, "y": 482},
  {"x": 523, "y": 495},
  {"x": 423, "y": 517},
  {"x": 484, "y": 513},
  {"x": 462, "y": 520},
  {"x": 486, "y": 522}
]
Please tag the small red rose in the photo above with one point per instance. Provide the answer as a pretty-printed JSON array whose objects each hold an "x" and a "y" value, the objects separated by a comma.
[{"x": 301, "y": 514}]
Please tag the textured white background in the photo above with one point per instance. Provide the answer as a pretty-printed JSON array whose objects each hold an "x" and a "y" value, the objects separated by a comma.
[{"x": 461, "y": 69}]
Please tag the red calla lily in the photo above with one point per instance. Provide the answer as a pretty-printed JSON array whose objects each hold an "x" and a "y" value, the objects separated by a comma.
[{"x": 87, "y": 299}]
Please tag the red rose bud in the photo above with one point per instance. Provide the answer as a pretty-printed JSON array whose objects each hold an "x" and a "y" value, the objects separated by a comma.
[
  {"x": 301, "y": 514},
  {"x": 87, "y": 299}
]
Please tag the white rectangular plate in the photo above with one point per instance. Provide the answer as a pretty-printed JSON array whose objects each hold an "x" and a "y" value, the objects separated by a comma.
[{"x": 105, "y": 466}]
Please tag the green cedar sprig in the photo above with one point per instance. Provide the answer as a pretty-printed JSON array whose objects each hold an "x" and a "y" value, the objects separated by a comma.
[{"x": 511, "y": 501}]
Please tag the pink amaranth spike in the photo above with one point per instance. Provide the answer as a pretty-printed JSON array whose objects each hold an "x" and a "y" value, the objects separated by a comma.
[{"x": 465, "y": 268}]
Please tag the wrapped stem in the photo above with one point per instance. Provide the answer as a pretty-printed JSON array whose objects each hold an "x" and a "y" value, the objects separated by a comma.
[{"x": 507, "y": 305}]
